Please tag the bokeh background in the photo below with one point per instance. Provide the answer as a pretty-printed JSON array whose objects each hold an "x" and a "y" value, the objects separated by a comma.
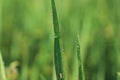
[{"x": 26, "y": 38}]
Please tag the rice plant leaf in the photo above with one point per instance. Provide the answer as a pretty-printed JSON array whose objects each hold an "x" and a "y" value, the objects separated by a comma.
[
  {"x": 2, "y": 69},
  {"x": 80, "y": 65},
  {"x": 57, "y": 50},
  {"x": 55, "y": 18}
]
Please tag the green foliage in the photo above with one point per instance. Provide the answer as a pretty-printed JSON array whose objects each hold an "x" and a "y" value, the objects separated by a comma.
[{"x": 26, "y": 36}]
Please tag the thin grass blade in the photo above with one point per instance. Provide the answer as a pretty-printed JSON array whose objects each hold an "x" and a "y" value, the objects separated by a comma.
[
  {"x": 80, "y": 65},
  {"x": 57, "y": 50}
]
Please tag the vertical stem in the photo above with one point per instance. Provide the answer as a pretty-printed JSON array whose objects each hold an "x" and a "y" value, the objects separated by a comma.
[{"x": 57, "y": 50}]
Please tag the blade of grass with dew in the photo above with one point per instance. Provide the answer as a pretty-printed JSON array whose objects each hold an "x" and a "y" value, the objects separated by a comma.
[
  {"x": 80, "y": 65},
  {"x": 2, "y": 69},
  {"x": 57, "y": 51}
]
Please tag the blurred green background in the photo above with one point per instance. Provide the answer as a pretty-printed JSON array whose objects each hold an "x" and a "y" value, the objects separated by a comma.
[{"x": 26, "y": 37}]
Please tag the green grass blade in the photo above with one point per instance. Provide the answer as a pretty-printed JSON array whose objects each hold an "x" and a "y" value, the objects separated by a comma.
[
  {"x": 80, "y": 65},
  {"x": 57, "y": 50},
  {"x": 55, "y": 19},
  {"x": 2, "y": 69},
  {"x": 58, "y": 60}
]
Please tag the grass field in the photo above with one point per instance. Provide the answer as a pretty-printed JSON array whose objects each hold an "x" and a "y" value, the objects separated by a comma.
[{"x": 71, "y": 40}]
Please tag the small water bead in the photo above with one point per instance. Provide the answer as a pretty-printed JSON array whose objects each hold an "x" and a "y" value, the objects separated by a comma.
[{"x": 61, "y": 76}]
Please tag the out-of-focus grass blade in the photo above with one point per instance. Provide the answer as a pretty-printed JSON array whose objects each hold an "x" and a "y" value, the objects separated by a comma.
[
  {"x": 80, "y": 65},
  {"x": 118, "y": 75},
  {"x": 57, "y": 50},
  {"x": 0, "y": 21},
  {"x": 116, "y": 34},
  {"x": 2, "y": 69}
]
